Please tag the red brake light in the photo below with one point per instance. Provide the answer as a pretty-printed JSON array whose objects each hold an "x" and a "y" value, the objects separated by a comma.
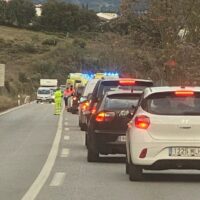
[
  {"x": 84, "y": 106},
  {"x": 105, "y": 116},
  {"x": 127, "y": 82},
  {"x": 142, "y": 122},
  {"x": 184, "y": 93},
  {"x": 94, "y": 108}
]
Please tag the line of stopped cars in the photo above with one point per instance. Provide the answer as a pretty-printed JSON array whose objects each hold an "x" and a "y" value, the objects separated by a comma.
[{"x": 157, "y": 128}]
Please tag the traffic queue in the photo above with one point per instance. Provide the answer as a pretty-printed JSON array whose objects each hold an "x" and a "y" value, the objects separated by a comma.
[{"x": 157, "y": 128}]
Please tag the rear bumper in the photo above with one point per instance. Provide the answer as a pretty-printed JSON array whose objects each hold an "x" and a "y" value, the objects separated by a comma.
[
  {"x": 108, "y": 142},
  {"x": 174, "y": 164},
  {"x": 45, "y": 100},
  {"x": 158, "y": 152}
]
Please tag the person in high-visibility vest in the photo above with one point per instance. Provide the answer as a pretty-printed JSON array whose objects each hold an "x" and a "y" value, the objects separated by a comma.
[
  {"x": 58, "y": 101},
  {"x": 71, "y": 91}
]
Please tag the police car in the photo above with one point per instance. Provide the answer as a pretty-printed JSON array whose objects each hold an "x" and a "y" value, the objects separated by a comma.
[{"x": 165, "y": 131}]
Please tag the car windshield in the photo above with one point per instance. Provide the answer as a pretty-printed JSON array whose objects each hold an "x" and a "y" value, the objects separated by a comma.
[
  {"x": 43, "y": 91},
  {"x": 170, "y": 104},
  {"x": 121, "y": 102}
]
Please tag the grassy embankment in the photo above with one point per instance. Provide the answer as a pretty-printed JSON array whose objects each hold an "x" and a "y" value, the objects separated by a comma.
[{"x": 30, "y": 56}]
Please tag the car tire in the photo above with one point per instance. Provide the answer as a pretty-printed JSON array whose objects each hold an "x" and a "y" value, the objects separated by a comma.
[
  {"x": 135, "y": 172},
  {"x": 127, "y": 166},
  {"x": 86, "y": 139},
  {"x": 93, "y": 154},
  {"x": 83, "y": 127}
]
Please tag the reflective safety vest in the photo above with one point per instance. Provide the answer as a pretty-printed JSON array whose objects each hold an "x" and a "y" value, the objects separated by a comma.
[{"x": 58, "y": 95}]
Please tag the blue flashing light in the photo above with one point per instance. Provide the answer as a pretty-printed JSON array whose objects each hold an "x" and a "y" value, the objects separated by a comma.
[{"x": 112, "y": 74}]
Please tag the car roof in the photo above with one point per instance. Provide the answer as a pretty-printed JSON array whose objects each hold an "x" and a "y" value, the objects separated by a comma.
[
  {"x": 153, "y": 90},
  {"x": 124, "y": 92},
  {"x": 118, "y": 79}
]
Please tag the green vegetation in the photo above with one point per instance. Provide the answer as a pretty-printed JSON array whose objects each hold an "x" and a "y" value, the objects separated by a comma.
[{"x": 145, "y": 46}]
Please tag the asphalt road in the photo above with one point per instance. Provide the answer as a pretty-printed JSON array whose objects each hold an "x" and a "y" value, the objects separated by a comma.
[{"x": 27, "y": 136}]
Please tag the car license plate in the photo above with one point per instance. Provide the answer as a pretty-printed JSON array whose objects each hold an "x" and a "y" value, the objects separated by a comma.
[
  {"x": 184, "y": 152},
  {"x": 121, "y": 138}
]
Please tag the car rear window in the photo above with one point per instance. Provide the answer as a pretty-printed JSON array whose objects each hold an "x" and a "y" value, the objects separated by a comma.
[
  {"x": 114, "y": 85},
  {"x": 120, "y": 102},
  {"x": 168, "y": 103}
]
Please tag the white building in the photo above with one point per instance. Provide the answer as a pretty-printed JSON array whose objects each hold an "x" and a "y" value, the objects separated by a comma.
[
  {"x": 38, "y": 9},
  {"x": 107, "y": 16}
]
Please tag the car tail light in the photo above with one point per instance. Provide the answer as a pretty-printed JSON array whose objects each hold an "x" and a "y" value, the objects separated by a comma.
[
  {"x": 127, "y": 82},
  {"x": 143, "y": 153},
  {"x": 142, "y": 122},
  {"x": 94, "y": 108},
  {"x": 184, "y": 93},
  {"x": 84, "y": 106},
  {"x": 105, "y": 116}
]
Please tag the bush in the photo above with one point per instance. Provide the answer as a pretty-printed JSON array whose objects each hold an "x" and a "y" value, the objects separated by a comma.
[
  {"x": 29, "y": 48},
  {"x": 50, "y": 42},
  {"x": 80, "y": 43},
  {"x": 7, "y": 102}
]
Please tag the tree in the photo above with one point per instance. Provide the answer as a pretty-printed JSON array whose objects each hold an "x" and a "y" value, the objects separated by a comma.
[
  {"x": 21, "y": 12},
  {"x": 3, "y": 9},
  {"x": 59, "y": 16}
]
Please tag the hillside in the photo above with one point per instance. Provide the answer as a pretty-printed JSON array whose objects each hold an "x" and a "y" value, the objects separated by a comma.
[
  {"x": 97, "y": 5},
  {"x": 30, "y": 56}
]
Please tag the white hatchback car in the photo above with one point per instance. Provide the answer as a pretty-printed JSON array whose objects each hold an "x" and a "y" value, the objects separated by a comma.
[{"x": 165, "y": 131}]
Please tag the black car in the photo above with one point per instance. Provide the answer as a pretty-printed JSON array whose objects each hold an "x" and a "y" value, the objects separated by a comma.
[
  {"x": 76, "y": 99},
  {"x": 103, "y": 86},
  {"x": 107, "y": 127}
]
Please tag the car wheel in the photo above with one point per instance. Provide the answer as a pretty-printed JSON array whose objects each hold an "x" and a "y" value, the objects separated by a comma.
[
  {"x": 127, "y": 166},
  {"x": 86, "y": 139},
  {"x": 83, "y": 127},
  {"x": 135, "y": 172},
  {"x": 93, "y": 154}
]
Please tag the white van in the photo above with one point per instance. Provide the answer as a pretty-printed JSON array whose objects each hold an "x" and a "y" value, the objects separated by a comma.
[{"x": 45, "y": 94}]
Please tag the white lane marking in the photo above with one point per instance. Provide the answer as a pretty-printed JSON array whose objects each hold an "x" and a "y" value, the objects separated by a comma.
[
  {"x": 66, "y": 123},
  {"x": 66, "y": 137},
  {"x": 66, "y": 129},
  {"x": 13, "y": 109},
  {"x": 39, "y": 182},
  {"x": 66, "y": 119},
  {"x": 64, "y": 153},
  {"x": 58, "y": 179}
]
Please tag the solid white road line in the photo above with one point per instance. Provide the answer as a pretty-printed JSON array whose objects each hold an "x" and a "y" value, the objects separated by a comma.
[
  {"x": 13, "y": 109},
  {"x": 66, "y": 137},
  {"x": 64, "y": 153},
  {"x": 58, "y": 179},
  {"x": 35, "y": 188},
  {"x": 66, "y": 129}
]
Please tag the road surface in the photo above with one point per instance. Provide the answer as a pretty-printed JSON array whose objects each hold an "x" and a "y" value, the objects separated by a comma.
[{"x": 31, "y": 137}]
